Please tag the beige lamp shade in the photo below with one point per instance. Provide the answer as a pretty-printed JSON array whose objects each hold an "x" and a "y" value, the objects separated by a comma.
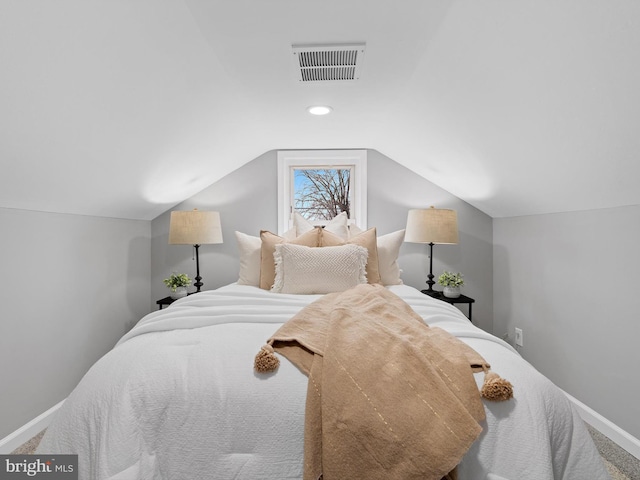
[
  {"x": 194, "y": 227},
  {"x": 432, "y": 225}
]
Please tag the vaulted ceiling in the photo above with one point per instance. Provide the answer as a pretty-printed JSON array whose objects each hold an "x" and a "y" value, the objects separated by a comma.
[{"x": 126, "y": 107}]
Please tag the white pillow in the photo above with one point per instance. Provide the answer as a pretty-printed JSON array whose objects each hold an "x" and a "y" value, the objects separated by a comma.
[
  {"x": 249, "y": 248},
  {"x": 388, "y": 250},
  {"x": 289, "y": 234},
  {"x": 306, "y": 270},
  {"x": 337, "y": 225},
  {"x": 354, "y": 230}
]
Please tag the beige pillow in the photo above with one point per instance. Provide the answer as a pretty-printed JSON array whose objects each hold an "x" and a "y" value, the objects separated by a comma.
[
  {"x": 388, "y": 251},
  {"x": 337, "y": 225},
  {"x": 306, "y": 270},
  {"x": 268, "y": 248},
  {"x": 365, "y": 239}
]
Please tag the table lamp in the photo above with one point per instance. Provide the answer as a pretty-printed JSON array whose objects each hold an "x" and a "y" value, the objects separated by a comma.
[
  {"x": 195, "y": 228},
  {"x": 431, "y": 226}
]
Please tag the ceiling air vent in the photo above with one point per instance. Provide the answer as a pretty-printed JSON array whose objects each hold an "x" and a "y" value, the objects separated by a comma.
[{"x": 328, "y": 63}]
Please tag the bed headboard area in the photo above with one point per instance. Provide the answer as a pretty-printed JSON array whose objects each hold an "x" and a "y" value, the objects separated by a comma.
[{"x": 247, "y": 200}]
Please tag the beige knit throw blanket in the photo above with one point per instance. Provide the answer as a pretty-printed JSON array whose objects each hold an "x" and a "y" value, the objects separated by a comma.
[{"x": 388, "y": 397}]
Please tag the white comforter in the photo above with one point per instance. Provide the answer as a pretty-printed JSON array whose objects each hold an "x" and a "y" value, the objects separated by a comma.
[{"x": 177, "y": 398}]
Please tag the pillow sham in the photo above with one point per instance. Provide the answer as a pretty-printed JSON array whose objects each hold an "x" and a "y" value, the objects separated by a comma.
[
  {"x": 337, "y": 225},
  {"x": 365, "y": 239},
  {"x": 268, "y": 248},
  {"x": 249, "y": 250},
  {"x": 354, "y": 230},
  {"x": 249, "y": 247},
  {"x": 307, "y": 270},
  {"x": 289, "y": 234},
  {"x": 388, "y": 251}
]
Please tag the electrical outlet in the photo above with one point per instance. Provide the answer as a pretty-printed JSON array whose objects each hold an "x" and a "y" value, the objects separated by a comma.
[{"x": 519, "y": 340}]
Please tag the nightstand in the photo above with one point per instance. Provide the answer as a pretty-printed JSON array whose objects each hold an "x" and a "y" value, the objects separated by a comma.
[
  {"x": 165, "y": 301},
  {"x": 452, "y": 301},
  {"x": 168, "y": 301}
]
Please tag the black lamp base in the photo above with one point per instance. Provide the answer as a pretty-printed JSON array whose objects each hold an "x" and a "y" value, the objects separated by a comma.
[
  {"x": 198, "y": 278},
  {"x": 430, "y": 282}
]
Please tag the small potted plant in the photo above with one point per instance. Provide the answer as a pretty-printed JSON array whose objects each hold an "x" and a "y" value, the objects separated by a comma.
[
  {"x": 178, "y": 283},
  {"x": 451, "y": 283}
]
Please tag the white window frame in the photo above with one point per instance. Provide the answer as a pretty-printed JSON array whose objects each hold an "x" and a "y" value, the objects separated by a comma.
[{"x": 288, "y": 160}]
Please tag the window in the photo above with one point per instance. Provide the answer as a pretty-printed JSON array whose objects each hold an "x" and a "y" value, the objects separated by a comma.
[
  {"x": 319, "y": 194},
  {"x": 321, "y": 184}
]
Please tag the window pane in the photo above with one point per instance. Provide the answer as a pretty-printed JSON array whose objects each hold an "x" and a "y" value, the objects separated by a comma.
[{"x": 322, "y": 193}]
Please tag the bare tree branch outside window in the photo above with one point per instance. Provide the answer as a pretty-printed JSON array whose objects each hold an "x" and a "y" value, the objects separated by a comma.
[{"x": 321, "y": 194}]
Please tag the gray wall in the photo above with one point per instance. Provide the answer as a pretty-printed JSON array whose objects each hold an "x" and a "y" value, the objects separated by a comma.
[
  {"x": 570, "y": 281},
  {"x": 72, "y": 286},
  {"x": 247, "y": 201}
]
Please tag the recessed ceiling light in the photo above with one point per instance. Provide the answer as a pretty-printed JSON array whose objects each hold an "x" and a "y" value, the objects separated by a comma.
[{"x": 319, "y": 110}]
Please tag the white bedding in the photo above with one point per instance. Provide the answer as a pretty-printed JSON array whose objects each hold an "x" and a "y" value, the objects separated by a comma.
[{"x": 177, "y": 398}]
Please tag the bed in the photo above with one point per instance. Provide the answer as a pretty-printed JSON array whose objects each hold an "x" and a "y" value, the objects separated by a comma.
[{"x": 178, "y": 398}]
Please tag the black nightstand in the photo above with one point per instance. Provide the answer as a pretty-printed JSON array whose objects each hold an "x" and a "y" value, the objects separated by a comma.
[
  {"x": 165, "y": 301},
  {"x": 452, "y": 301}
]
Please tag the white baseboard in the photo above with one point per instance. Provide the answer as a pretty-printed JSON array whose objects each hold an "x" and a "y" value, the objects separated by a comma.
[
  {"x": 12, "y": 441},
  {"x": 625, "y": 440}
]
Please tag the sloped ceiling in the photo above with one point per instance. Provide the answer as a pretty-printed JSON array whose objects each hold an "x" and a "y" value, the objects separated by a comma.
[{"x": 124, "y": 108}]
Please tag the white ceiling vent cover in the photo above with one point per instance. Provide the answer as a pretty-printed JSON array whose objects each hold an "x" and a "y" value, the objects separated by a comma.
[{"x": 328, "y": 63}]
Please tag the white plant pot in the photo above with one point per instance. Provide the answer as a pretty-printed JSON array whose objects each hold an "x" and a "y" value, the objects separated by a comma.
[
  {"x": 451, "y": 292},
  {"x": 179, "y": 293}
]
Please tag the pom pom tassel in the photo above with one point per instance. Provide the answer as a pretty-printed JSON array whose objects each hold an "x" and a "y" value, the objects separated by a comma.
[
  {"x": 496, "y": 388},
  {"x": 266, "y": 360}
]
